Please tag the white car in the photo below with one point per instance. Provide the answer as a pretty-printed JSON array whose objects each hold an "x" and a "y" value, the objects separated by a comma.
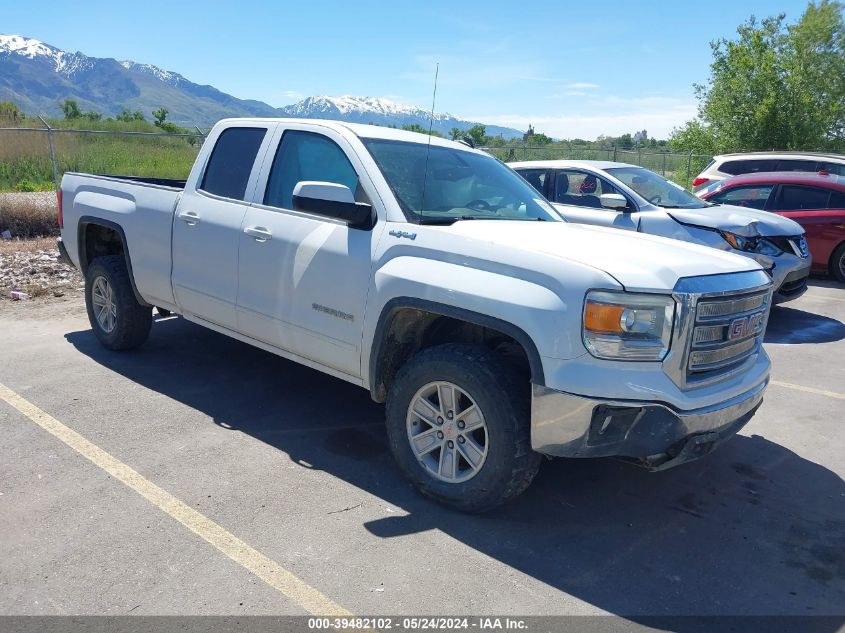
[
  {"x": 432, "y": 275},
  {"x": 728, "y": 165},
  {"x": 633, "y": 198}
]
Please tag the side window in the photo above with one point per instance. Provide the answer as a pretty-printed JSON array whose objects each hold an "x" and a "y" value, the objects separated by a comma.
[
  {"x": 307, "y": 156},
  {"x": 537, "y": 178},
  {"x": 736, "y": 167},
  {"x": 580, "y": 189},
  {"x": 797, "y": 198},
  {"x": 837, "y": 200},
  {"x": 833, "y": 168},
  {"x": 796, "y": 165},
  {"x": 231, "y": 162},
  {"x": 752, "y": 196}
]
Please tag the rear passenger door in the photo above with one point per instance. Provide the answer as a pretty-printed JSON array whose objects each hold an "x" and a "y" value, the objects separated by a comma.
[
  {"x": 207, "y": 224},
  {"x": 304, "y": 277}
]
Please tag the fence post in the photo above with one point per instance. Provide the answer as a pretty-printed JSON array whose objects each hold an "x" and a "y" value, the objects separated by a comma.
[
  {"x": 52, "y": 151},
  {"x": 639, "y": 155},
  {"x": 664, "y": 164},
  {"x": 615, "y": 146},
  {"x": 689, "y": 165}
]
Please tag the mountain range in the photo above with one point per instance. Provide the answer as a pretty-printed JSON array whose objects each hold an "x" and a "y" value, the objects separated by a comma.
[{"x": 38, "y": 77}]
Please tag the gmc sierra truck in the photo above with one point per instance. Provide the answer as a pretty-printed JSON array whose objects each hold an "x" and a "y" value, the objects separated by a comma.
[{"x": 433, "y": 275}]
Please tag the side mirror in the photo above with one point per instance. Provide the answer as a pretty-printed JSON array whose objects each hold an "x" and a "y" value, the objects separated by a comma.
[
  {"x": 613, "y": 201},
  {"x": 332, "y": 200}
]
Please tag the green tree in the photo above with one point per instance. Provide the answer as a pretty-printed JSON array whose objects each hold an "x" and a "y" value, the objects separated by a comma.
[
  {"x": 478, "y": 134},
  {"x": 774, "y": 86},
  {"x": 415, "y": 127},
  {"x": 70, "y": 109},
  {"x": 455, "y": 133},
  {"x": 9, "y": 112},
  {"x": 160, "y": 115},
  {"x": 127, "y": 117}
]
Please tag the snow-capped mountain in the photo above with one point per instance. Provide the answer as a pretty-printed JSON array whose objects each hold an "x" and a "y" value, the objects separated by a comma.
[
  {"x": 38, "y": 77},
  {"x": 379, "y": 111}
]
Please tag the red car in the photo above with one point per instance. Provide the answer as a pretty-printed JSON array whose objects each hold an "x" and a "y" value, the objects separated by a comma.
[{"x": 815, "y": 200}]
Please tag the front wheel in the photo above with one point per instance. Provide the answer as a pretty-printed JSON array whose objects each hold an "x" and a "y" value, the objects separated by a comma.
[
  {"x": 118, "y": 320},
  {"x": 837, "y": 263},
  {"x": 458, "y": 425}
]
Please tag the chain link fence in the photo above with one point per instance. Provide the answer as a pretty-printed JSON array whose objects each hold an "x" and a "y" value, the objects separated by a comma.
[
  {"x": 681, "y": 168},
  {"x": 34, "y": 159}
]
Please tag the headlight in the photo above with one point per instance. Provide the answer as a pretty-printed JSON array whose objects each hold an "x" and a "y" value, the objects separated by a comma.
[
  {"x": 627, "y": 326},
  {"x": 751, "y": 244}
]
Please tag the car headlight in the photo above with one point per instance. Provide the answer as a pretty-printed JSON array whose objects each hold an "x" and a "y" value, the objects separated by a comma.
[
  {"x": 751, "y": 244},
  {"x": 627, "y": 326}
]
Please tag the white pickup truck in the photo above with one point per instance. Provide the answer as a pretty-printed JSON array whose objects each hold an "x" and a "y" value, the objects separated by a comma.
[{"x": 349, "y": 248}]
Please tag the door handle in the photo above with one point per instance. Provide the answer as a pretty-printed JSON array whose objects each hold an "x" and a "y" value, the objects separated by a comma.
[
  {"x": 839, "y": 226},
  {"x": 258, "y": 233},
  {"x": 191, "y": 218}
]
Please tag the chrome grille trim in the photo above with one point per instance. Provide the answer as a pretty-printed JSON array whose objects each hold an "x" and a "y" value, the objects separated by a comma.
[{"x": 706, "y": 307}]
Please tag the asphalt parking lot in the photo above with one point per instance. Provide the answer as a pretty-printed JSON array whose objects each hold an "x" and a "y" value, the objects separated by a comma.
[{"x": 293, "y": 464}]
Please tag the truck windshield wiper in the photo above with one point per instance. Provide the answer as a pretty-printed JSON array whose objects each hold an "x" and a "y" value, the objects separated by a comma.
[{"x": 446, "y": 220}]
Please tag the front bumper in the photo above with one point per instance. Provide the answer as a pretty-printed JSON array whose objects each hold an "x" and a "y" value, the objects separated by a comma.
[
  {"x": 656, "y": 435},
  {"x": 792, "y": 285}
]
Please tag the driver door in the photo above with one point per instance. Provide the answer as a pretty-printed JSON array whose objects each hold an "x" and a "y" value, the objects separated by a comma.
[{"x": 576, "y": 195}]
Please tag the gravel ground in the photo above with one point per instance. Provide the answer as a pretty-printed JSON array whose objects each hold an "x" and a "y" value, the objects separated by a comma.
[{"x": 33, "y": 266}]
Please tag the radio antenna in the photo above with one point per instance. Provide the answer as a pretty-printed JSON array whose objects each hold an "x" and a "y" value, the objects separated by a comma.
[{"x": 430, "y": 127}]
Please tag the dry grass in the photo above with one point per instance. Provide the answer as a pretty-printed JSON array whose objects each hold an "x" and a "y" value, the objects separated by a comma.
[
  {"x": 7, "y": 247},
  {"x": 29, "y": 215}
]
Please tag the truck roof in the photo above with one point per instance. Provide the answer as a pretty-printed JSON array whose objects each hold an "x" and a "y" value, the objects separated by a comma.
[{"x": 363, "y": 130}]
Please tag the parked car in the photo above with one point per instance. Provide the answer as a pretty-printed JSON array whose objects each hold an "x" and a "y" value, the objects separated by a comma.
[
  {"x": 815, "y": 201},
  {"x": 633, "y": 198},
  {"x": 728, "y": 165},
  {"x": 432, "y": 275}
]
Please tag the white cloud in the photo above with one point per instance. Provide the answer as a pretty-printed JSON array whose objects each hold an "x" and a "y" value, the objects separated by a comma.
[
  {"x": 288, "y": 96},
  {"x": 612, "y": 116},
  {"x": 581, "y": 85}
]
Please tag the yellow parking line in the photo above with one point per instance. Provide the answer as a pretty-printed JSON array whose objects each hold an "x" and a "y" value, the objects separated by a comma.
[
  {"x": 821, "y": 392},
  {"x": 247, "y": 557}
]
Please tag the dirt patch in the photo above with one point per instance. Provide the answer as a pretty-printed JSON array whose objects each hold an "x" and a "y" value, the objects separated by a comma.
[{"x": 33, "y": 267}]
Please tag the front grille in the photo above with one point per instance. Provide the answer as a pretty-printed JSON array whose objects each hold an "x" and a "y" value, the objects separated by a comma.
[
  {"x": 793, "y": 244},
  {"x": 727, "y": 331}
]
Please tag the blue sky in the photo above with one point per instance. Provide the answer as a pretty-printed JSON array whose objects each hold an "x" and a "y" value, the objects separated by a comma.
[{"x": 572, "y": 69}]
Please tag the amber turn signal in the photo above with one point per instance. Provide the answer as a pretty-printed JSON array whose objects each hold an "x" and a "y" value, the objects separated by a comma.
[{"x": 603, "y": 317}]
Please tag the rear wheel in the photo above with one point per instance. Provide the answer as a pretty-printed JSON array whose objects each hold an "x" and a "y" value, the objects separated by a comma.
[
  {"x": 119, "y": 322},
  {"x": 837, "y": 263},
  {"x": 458, "y": 424}
]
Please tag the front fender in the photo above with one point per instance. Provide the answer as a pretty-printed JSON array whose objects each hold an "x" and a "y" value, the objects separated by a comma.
[{"x": 545, "y": 323}]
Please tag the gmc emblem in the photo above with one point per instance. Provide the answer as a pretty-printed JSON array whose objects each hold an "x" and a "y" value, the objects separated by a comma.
[{"x": 745, "y": 326}]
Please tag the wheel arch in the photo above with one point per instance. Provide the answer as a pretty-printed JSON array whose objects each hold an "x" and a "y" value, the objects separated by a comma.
[
  {"x": 91, "y": 243},
  {"x": 429, "y": 320}
]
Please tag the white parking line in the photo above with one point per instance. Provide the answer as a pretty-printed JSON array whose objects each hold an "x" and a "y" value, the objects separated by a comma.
[{"x": 246, "y": 556}]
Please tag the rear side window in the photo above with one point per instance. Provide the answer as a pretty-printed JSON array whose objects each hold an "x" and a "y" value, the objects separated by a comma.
[
  {"x": 833, "y": 168},
  {"x": 796, "y": 165},
  {"x": 796, "y": 198},
  {"x": 752, "y": 196},
  {"x": 537, "y": 178},
  {"x": 837, "y": 200},
  {"x": 307, "y": 156},
  {"x": 231, "y": 162},
  {"x": 736, "y": 167}
]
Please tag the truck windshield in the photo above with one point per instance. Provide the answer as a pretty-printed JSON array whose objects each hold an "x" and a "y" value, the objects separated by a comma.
[
  {"x": 459, "y": 185},
  {"x": 656, "y": 189}
]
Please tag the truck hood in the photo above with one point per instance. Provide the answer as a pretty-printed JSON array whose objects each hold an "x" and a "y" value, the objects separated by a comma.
[
  {"x": 637, "y": 261},
  {"x": 739, "y": 220}
]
